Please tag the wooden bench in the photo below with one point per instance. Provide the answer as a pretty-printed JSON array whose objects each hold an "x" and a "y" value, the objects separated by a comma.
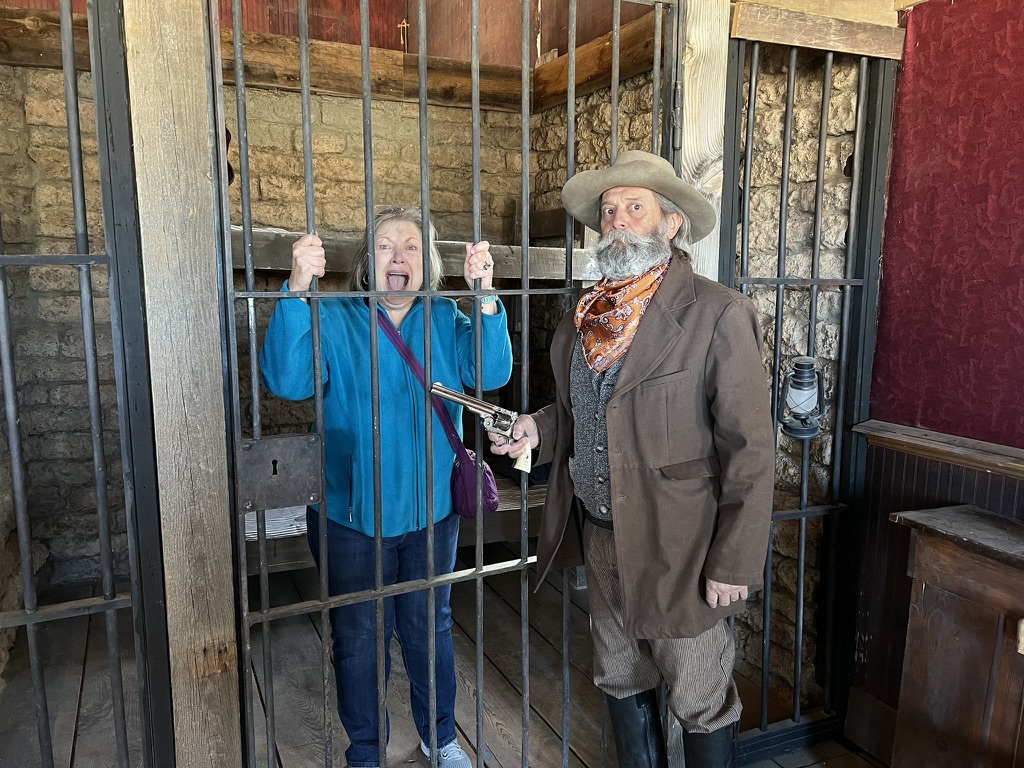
[{"x": 286, "y": 529}]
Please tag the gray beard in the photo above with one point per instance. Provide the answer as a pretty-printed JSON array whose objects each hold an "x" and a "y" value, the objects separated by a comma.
[{"x": 621, "y": 254}]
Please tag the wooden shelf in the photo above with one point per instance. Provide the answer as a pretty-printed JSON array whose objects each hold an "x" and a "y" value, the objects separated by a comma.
[{"x": 962, "y": 451}]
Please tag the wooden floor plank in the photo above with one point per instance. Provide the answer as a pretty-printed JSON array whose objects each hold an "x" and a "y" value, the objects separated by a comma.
[
  {"x": 546, "y": 617},
  {"x": 95, "y": 735},
  {"x": 62, "y": 649},
  {"x": 503, "y": 648},
  {"x": 502, "y": 715}
]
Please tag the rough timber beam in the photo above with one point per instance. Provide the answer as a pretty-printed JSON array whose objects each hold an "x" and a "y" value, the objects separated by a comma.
[
  {"x": 756, "y": 21},
  {"x": 594, "y": 64},
  {"x": 272, "y": 251},
  {"x": 702, "y": 138},
  {"x": 869, "y": 11},
  {"x": 171, "y": 149}
]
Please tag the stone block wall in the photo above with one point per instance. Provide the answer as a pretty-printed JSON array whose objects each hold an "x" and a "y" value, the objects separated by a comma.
[
  {"x": 46, "y": 322},
  {"x": 276, "y": 161}
]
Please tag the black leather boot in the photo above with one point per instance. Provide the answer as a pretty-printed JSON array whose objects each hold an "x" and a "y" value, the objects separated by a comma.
[
  {"x": 636, "y": 724},
  {"x": 711, "y": 750}
]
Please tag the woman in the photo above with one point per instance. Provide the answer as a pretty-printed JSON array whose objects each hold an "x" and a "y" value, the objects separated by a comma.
[{"x": 397, "y": 260}]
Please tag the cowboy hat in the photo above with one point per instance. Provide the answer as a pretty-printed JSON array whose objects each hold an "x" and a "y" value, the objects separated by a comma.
[{"x": 581, "y": 194}]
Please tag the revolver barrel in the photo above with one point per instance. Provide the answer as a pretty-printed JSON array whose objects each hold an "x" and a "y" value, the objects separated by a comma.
[{"x": 495, "y": 419}]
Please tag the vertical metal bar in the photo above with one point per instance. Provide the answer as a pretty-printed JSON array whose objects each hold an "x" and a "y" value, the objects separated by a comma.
[
  {"x": 678, "y": 87},
  {"x": 766, "y": 628},
  {"x": 524, "y": 380},
  {"x": 748, "y": 158},
  {"x": 481, "y": 749},
  {"x": 616, "y": 40},
  {"x": 570, "y": 170},
  {"x": 819, "y": 193},
  {"x": 656, "y": 81},
  {"x": 134, "y": 392},
  {"x": 798, "y": 649},
  {"x": 668, "y": 93},
  {"x": 730, "y": 163},
  {"x": 378, "y": 520},
  {"x": 242, "y": 122},
  {"x": 566, "y": 688},
  {"x": 787, "y": 144},
  {"x": 570, "y": 145},
  {"x": 323, "y": 548},
  {"x": 92, "y": 377},
  {"x": 424, "y": 122},
  {"x": 22, "y": 524},
  {"x": 67, "y": 43},
  {"x": 307, "y": 131},
  {"x": 850, "y": 271}
]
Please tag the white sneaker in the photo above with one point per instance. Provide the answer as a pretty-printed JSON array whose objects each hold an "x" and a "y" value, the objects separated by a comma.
[{"x": 449, "y": 756}]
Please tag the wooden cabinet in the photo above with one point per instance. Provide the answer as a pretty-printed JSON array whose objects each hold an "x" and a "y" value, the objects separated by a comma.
[{"x": 963, "y": 675}]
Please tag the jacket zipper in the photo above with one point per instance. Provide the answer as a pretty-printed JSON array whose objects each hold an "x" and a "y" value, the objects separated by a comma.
[{"x": 351, "y": 489}]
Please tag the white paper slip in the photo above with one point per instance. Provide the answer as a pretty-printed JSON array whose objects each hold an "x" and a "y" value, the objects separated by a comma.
[{"x": 525, "y": 461}]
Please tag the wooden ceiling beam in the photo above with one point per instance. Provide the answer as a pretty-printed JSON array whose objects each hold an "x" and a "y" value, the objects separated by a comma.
[
  {"x": 869, "y": 11},
  {"x": 593, "y": 64},
  {"x": 757, "y": 21}
]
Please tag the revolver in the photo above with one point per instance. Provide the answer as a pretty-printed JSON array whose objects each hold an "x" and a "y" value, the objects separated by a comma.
[{"x": 495, "y": 419}]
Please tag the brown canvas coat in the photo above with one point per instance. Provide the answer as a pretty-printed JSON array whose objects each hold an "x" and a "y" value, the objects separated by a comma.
[{"x": 691, "y": 452}]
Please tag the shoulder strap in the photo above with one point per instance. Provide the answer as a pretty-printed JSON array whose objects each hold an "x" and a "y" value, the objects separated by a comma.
[{"x": 403, "y": 349}]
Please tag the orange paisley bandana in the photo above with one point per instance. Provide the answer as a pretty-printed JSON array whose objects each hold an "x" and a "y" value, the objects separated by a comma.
[{"x": 608, "y": 316}]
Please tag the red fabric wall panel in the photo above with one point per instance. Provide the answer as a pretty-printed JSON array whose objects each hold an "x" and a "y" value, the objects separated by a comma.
[
  {"x": 334, "y": 20},
  {"x": 950, "y": 351}
]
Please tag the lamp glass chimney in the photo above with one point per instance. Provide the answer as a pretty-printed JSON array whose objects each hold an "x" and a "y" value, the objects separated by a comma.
[{"x": 802, "y": 397}]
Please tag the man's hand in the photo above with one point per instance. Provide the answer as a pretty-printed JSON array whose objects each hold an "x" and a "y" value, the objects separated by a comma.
[
  {"x": 524, "y": 434},
  {"x": 719, "y": 594}
]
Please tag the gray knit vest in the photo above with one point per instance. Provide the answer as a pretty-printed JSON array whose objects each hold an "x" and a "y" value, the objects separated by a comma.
[{"x": 589, "y": 393}]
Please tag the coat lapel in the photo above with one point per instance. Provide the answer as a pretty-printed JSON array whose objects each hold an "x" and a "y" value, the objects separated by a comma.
[{"x": 658, "y": 328}]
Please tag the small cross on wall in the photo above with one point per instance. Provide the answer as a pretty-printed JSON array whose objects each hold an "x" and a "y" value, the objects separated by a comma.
[{"x": 403, "y": 34}]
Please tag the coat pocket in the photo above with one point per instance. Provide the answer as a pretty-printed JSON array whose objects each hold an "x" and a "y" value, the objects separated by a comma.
[
  {"x": 686, "y": 470},
  {"x": 664, "y": 419},
  {"x": 667, "y": 379}
]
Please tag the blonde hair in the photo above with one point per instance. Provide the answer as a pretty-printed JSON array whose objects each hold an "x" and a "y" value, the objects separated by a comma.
[{"x": 359, "y": 280}]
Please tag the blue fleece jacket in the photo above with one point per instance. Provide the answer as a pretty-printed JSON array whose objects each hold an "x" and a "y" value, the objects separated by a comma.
[{"x": 287, "y": 366}]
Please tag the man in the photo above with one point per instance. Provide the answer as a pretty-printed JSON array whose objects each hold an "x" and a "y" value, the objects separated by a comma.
[{"x": 661, "y": 439}]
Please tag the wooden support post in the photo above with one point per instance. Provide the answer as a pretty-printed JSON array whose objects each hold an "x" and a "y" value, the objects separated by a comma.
[
  {"x": 704, "y": 73},
  {"x": 168, "y": 81}
]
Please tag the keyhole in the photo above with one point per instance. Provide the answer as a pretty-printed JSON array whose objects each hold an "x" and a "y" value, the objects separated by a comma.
[{"x": 275, "y": 467}]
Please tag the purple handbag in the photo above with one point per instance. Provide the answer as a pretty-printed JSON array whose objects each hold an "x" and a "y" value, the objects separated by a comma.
[{"x": 463, "y": 483}]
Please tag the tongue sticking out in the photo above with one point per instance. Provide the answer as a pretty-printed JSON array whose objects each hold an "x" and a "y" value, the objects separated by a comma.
[{"x": 397, "y": 282}]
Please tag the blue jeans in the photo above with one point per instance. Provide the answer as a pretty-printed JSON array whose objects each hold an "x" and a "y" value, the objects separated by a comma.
[{"x": 354, "y": 629}]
